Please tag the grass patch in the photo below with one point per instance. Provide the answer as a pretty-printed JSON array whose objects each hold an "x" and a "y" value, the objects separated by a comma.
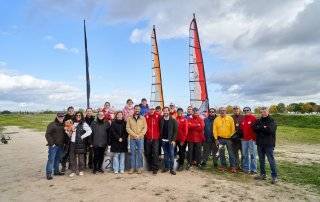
[
  {"x": 34, "y": 121},
  {"x": 288, "y": 134},
  {"x": 299, "y": 121}
]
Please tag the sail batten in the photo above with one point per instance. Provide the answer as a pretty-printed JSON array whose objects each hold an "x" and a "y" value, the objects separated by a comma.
[
  {"x": 156, "y": 86},
  {"x": 197, "y": 78}
]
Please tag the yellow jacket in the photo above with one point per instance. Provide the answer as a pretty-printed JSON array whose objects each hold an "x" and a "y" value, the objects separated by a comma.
[
  {"x": 136, "y": 128},
  {"x": 223, "y": 127}
]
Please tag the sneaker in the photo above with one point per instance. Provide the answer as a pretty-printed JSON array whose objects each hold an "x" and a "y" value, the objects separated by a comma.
[
  {"x": 221, "y": 168},
  {"x": 154, "y": 172},
  {"x": 165, "y": 170},
  {"x": 49, "y": 177},
  {"x": 172, "y": 172},
  {"x": 260, "y": 177},
  {"x": 131, "y": 171},
  {"x": 139, "y": 171},
  {"x": 100, "y": 170},
  {"x": 58, "y": 173},
  {"x": 121, "y": 171},
  {"x": 94, "y": 172},
  {"x": 63, "y": 169},
  {"x": 253, "y": 172},
  {"x": 81, "y": 173},
  {"x": 233, "y": 170},
  {"x": 274, "y": 180},
  {"x": 72, "y": 175},
  {"x": 115, "y": 172}
]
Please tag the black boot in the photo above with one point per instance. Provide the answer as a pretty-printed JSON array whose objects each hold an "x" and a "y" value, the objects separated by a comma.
[{"x": 49, "y": 177}]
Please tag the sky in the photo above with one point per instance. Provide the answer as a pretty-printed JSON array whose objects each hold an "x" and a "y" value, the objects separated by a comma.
[{"x": 256, "y": 52}]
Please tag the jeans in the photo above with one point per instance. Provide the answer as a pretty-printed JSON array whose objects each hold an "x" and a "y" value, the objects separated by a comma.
[
  {"x": 194, "y": 152},
  {"x": 98, "y": 157},
  {"x": 152, "y": 154},
  {"x": 209, "y": 148},
  {"x": 118, "y": 162},
  {"x": 54, "y": 157},
  {"x": 136, "y": 149},
  {"x": 168, "y": 149},
  {"x": 249, "y": 150},
  {"x": 264, "y": 151},
  {"x": 228, "y": 144}
]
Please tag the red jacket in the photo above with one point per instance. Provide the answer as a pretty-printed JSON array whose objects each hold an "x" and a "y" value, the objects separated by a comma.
[
  {"x": 153, "y": 126},
  {"x": 182, "y": 129},
  {"x": 246, "y": 127},
  {"x": 196, "y": 130}
]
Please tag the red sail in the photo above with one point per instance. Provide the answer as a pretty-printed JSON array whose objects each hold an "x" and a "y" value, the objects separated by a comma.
[{"x": 197, "y": 78}]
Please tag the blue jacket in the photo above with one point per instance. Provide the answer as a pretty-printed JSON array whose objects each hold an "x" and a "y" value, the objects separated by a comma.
[
  {"x": 144, "y": 110},
  {"x": 208, "y": 128}
]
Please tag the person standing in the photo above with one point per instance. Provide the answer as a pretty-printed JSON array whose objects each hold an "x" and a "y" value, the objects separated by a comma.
[
  {"x": 136, "y": 128},
  {"x": 152, "y": 140},
  {"x": 181, "y": 138},
  {"x": 66, "y": 147},
  {"x": 248, "y": 141},
  {"x": 173, "y": 111},
  {"x": 223, "y": 129},
  {"x": 265, "y": 128},
  {"x": 119, "y": 142},
  {"x": 99, "y": 139},
  {"x": 88, "y": 157},
  {"x": 236, "y": 137},
  {"x": 168, "y": 134},
  {"x": 195, "y": 138},
  {"x": 144, "y": 107},
  {"x": 189, "y": 113},
  {"x": 209, "y": 144},
  {"x": 55, "y": 141},
  {"x": 77, "y": 146},
  {"x": 128, "y": 110}
]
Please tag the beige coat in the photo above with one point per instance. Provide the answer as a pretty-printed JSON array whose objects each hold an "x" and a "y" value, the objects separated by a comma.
[{"x": 136, "y": 128}]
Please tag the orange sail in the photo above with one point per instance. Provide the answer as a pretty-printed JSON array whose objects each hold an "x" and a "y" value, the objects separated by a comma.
[
  {"x": 197, "y": 77},
  {"x": 156, "y": 89}
]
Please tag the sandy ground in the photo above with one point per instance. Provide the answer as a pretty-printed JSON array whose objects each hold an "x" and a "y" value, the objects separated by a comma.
[{"x": 22, "y": 178}]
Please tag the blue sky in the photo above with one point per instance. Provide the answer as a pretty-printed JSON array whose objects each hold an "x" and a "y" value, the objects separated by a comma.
[{"x": 121, "y": 68}]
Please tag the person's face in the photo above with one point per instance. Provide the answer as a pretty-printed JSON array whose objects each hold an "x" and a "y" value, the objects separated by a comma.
[
  {"x": 236, "y": 111},
  {"x": 246, "y": 111},
  {"x": 144, "y": 102},
  {"x": 119, "y": 116},
  {"x": 171, "y": 107},
  {"x": 151, "y": 111},
  {"x": 264, "y": 112},
  {"x": 60, "y": 118},
  {"x": 130, "y": 103},
  {"x": 189, "y": 110},
  {"x": 166, "y": 112},
  {"x": 223, "y": 112},
  {"x": 71, "y": 111},
  {"x": 100, "y": 115},
  {"x": 89, "y": 112},
  {"x": 78, "y": 117},
  {"x": 137, "y": 110},
  {"x": 107, "y": 105},
  {"x": 112, "y": 115},
  {"x": 196, "y": 113},
  {"x": 212, "y": 112},
  {"x": 180, "y": 112},
  {"x": 158, "y": 110}
]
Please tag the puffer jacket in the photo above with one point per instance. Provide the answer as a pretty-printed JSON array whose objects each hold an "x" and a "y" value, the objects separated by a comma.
[
  {"x": 153, "y": 126},
  {"x": 100, "y": 133},
  {"x": 196, "y": 130},
  {"x": 182, "y": 129},
  {"x": 77, "y": 137}
]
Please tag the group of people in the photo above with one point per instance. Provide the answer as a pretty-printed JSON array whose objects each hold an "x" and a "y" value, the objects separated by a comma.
[{"x": 80, "y": 141}]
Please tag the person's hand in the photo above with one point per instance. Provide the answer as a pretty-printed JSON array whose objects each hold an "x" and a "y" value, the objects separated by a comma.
[
  {"x": 173, "y": 143},
  {"x": 120, "y": 139},
  {"x": 265, "y": 126}
]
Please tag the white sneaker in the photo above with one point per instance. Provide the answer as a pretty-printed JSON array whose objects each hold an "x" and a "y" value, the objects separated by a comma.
[
  {"x": 81, "y": 173},
  {"x": 115, "y": 172},
  {"x": 121, "y": 172},
  {"x": 72, "y": 175}
]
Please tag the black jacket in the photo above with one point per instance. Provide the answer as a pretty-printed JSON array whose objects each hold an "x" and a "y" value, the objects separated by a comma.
[
  {"x": 117, "y": 131},
  {"x": 172, "y": 127},
  {"x": 265, "y": 129},
  {"x": 100, "y": 133},
  {"x": 89, "y": 120},
  {"x": 55, "y": 133},
  {"x": 80, "y": 145}
]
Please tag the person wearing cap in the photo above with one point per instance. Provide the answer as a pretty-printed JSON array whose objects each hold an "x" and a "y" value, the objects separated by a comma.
[
  {"x": 144, "y": 107},
  {"x": 168, "y": 134},
  {"x": 181, "y": 137},
  {"x": 152, "y": 140},
  {"x": 236, "y": 137},
  {"x": 209, "y": 145},
  {"x": 173, "y": 111},
  {"x": 66, "y": 148},
  {"x": 55, "y": 140},
  {"x": 195, "y": 138},
  {"x": 265, "y": 128},
  {"x": 223, "y": 129},
  {"x": 248, "y": 141},
  {"x": 128, "y": 110}
]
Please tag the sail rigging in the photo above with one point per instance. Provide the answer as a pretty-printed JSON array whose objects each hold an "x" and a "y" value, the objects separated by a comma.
[
  {"x": 197, "y": 78},
  {"x": 156, "y": 86}
]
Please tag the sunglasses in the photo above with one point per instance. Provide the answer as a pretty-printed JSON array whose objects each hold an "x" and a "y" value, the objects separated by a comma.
[
  {"x": 78, "y": 115},
  {"x": 212, "y": 112},
  {"x": 246, "y": 110}
]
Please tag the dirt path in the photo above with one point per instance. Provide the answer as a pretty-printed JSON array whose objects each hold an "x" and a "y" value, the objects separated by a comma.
[{"x": 22, "y": 179}]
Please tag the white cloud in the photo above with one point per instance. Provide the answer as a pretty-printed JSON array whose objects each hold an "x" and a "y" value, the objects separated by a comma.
[{"x": 62, "y": 47}]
